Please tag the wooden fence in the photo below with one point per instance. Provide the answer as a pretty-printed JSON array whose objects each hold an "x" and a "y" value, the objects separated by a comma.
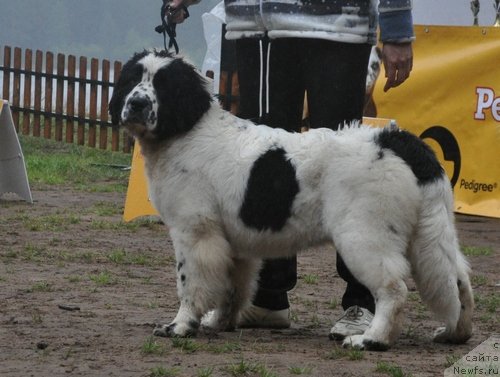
[{"x": 61, "y": 100}]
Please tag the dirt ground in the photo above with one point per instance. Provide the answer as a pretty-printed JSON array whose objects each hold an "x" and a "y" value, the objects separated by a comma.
[{"x": 80, "y": 292}]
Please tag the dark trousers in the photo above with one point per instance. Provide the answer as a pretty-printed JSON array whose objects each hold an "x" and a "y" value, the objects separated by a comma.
[{"x": 334, "y": 76}]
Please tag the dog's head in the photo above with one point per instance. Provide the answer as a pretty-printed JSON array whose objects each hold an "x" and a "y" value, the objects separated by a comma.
[{"x": 158, "y": 96}]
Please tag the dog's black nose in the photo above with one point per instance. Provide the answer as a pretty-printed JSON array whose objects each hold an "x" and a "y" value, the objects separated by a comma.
[{"x": 138, "y": 103}]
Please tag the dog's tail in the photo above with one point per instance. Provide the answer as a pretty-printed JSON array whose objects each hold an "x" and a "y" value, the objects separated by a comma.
[{"x": 440, "y": 270}]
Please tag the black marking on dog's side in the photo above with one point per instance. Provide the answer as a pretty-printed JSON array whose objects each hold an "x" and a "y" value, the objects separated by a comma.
[
  {"x": 179, "y": 266},
  {"x": 380, "y": 154},
  {"x": 183, "y": 278},
  {"x": 412, "y": 150},
  {"x": 271, "y": 190}
]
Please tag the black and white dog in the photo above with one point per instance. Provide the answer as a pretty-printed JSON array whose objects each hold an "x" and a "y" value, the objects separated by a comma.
[{"x": 233, "y": 193}]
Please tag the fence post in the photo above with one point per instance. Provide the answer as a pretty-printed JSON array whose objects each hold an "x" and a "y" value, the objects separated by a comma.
[
  {"x": 28, "y": 63},
  {"x": 16, "y": 95},
  {"x": 70, "y": 100},
  {"x": 6, "y": 74},
  {"x": 38, "y": 92},
  {"x": 61, "y": 61},
  {"x": 81, "y": 101},
  {"x": 94, "y": 71},
  {"x": 103, "y": 129},
  {"x": 47, "y": 121}
]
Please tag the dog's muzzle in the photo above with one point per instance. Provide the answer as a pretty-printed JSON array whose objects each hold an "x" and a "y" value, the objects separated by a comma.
[{"x": 137, "y": 109}]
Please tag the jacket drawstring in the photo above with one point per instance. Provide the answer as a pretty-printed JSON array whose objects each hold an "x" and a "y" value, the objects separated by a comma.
[
  {"x": 264, "y": 70},
  {"x": 261, "y": 83},
  {"x": 267, "y": 76}
]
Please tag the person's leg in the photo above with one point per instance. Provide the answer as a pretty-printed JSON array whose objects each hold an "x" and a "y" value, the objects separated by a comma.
[
  {"x": 271, "y": 92},
  {"x": 267, "y": 95},
  {"x": 335, "y": 81},
  {"x": 335, "y": 75}
]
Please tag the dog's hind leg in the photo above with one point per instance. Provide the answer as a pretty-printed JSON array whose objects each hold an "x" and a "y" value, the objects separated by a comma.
[
  {"x": 440, "y": 270},
  {"x": 377, "y": 262},
  {"x": 204, "y": 265}
]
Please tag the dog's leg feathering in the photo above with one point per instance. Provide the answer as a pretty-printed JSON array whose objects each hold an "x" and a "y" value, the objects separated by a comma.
[
  {"x": 204, "y": 264},
  {"x": 244, "y": 282},
  {"x": 441, "y": 272},
  {"x": 364, "y": 254}
]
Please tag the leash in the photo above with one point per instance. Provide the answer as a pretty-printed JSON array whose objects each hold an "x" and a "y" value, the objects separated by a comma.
[{"x": 167, "y": 27}]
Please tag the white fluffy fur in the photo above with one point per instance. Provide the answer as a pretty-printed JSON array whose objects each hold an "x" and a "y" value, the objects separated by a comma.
[{"x": 347, "y": 196}]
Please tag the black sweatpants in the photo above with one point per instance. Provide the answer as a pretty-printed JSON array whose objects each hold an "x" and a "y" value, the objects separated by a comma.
[{"x": 272, "y": 92}]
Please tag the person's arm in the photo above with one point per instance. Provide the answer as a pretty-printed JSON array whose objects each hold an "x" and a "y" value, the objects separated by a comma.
[{"x": 396, "y": 35}]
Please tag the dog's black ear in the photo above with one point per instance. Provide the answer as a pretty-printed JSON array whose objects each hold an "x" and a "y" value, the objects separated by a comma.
[
  {"x": 130, "y": 76},
  {"x": 183, "y": 98}
]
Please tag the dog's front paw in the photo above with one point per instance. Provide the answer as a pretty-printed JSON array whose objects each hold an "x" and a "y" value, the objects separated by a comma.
[
  {"x": 182, "y": 330},
  {"x": 354, "y": 341},
  {"x": 360, "y": 342},
  {"x": 210, "y": 320},
  {"x": 214, "y": 321}
]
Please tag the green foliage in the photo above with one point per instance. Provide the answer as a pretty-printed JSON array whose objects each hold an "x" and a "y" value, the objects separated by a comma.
[
  {"x": 391, "y": 369},
  {"x": 163, "y": 372},
  {"x": 474, "y": 251},
  {"x": 152, "y": 347},
  {"x": 88, "y": 169}
]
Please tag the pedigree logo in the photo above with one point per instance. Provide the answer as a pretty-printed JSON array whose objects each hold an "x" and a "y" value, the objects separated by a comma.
[{"x": 487, "y": 102}]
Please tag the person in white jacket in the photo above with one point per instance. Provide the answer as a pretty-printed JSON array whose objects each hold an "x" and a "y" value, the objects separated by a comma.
[{"x": 285, "y": 48}]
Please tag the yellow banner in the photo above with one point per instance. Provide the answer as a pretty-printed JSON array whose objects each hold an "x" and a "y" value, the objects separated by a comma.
[{"x": 452, "y": 101}]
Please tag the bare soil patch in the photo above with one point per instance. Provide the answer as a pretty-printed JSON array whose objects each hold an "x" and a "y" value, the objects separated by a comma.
[{"x": 80, "y": 292}]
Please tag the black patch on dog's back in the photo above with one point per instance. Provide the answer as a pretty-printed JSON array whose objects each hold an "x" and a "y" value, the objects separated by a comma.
[
  {"x": 271, "y": 189},
  {"x": 412, "y": 150}
]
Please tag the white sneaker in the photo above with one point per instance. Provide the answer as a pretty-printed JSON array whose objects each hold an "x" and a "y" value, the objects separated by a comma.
[
  {"x": 257, "y": 317},
  {"x": 355, "y": 321}
]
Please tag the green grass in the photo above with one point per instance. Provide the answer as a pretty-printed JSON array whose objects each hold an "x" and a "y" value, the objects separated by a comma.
[
  {"x": 245, "y": 368},
  {"x": 295, "y": 370},
  {"x": 311, "y": 279},
  {"x": 152, "y": 347},
  {"x": 41, "y": 286},
  {"x": 340, "y": 353},
  {"x": 450, "y": 360},
  {"x": 186, "y": 345},
  {"x": 107, "y": 209},
  {"x": 488, "y": 302},
  {"x": 50, "y": 223},
  {"x": 87, "y": 169},
  {"x": 391, "y": 369},
  {"x": 478, "y": 280},
  {"x": 474, "y": 251},
  {"x": 205, "y": 372},
  {"x": 164, "y": 372},
  {"x": 103, "y": 278}
]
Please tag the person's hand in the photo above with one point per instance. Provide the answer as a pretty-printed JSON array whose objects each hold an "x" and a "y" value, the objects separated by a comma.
[
  {"x": 178, "y": 14},
  {"x": 398, "y": 63}
]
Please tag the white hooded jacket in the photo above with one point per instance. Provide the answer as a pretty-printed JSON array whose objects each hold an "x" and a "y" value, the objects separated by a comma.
[{"x": 350, "y": 21}]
